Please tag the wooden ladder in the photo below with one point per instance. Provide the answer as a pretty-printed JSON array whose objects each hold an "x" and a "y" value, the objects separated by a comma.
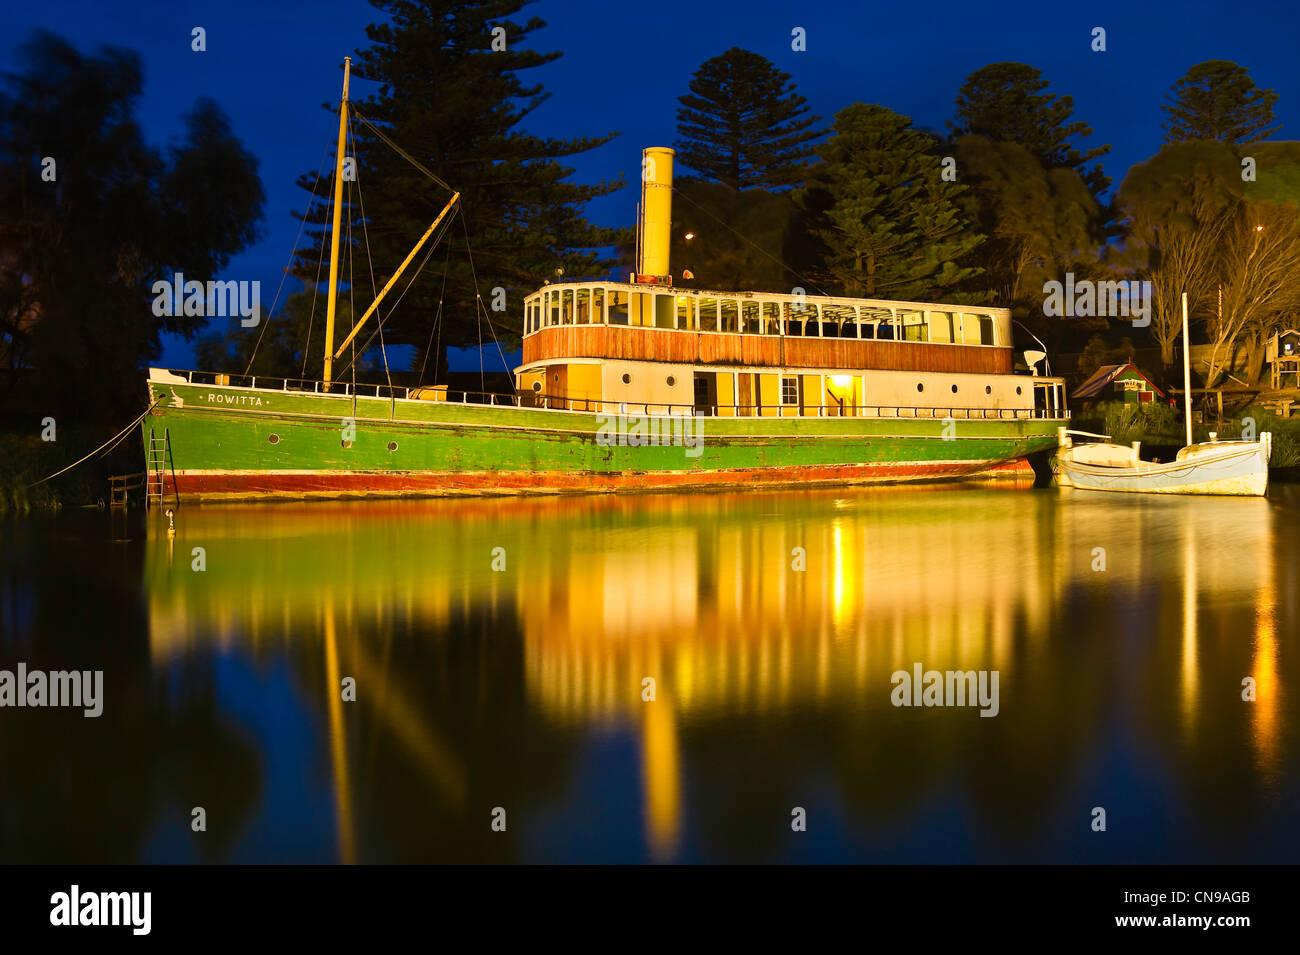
[{"x": 158, "y": 460}]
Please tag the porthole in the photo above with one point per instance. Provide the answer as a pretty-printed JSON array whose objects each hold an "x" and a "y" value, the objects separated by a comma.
[
  {"x": 671, "y": 381},
  {"x": 392, "y": 445},
  {"x": 920, "y": 387},
  {"x": 346, "y": 443},
  {"x": 1017, "y": 389},
  {"x": 954, "y": 389},
  {"x": 627, "y": 379},
  {"x": 274, "y": 439},
  {"x": 537, "y": 386},
  {"x": 988, "y": 389}
]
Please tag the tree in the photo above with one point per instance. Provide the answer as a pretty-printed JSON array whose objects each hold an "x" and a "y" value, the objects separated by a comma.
[
  {"x": 1218, "y": 100},
  {"x": 1177, "y": 206},
  {"x": 448, "y": 92},
  {"x": 743, "y": 125},
  {"x": 1038, "y": 221},
  {"x": 887, "y": 217},
  {"x": 1260, "y": 260},
  {"x": 94, "y": 216},
  {"x": 1006, "y": 102},
  {"x": 738, "y": 238}
]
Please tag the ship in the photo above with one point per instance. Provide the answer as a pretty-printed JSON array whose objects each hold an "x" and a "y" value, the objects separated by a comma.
[{"x": 634, "y": 385}]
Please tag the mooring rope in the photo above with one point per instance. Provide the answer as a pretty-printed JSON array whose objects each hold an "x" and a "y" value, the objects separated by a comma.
[{"x": 108, "y": 445}]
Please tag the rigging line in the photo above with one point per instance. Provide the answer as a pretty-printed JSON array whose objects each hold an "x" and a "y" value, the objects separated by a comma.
[
  {"x": 478, "y": 300},
  {"x": 311, "y": 318},
  {"x": 746, "y": 239},
  {"x": 107, "y": 446},
  {"x": 352, "y": 303},
  {"x": 294, "y": 251},
  {"x": 437, "y": 319},
  {"x": 411, "y": 281},
  {"x": 433, "y": 245},
  {"x": 399, "y": 150},
  {"x": 365, "y": 232}
]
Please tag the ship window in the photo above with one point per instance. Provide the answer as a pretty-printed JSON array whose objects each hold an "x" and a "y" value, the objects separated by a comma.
[
  {"x": 566, "y": 307},
  {"x": 537, "y": 386},
  {"x": 627, "y": 379},
  {"x": 772, "y": 318},
  {"x": 914, "y": 329},
  {"x": 665, "y": 311},
  {"x": 885, "y": 329},
  {"x": 868, "y": 321},
  {"x": 708, "y": 314},
  {"x": 553, "y": 308},
  {"x": 920, "y": 386},
  {"x": 1017, "y": 389},
  {"x": 617, "y": 308},
  {"x": 582, "y": 307},
  {"x": 686, "y": 311},
  {"x": 730, "y": 321},
  {"x": 392, "y": 445},
  {"x": 988, "y": 389},
  {"x": 954, "y": 389},
  {"x": 803, "y": 320},
  {"x": 941, "y": 328},
  {"x": 749, "y": 317},
  {"x": 598, "y": 306},
  {"x": 837, "y": 321},
  {"x": 976, "y": 329},
  {"x": 671, "y": 381},
  {"x": 789, "y": 390},
  {"x": 274, "y": 439}
]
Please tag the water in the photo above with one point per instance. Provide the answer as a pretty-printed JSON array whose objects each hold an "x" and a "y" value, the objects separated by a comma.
[{"x": 522, "y": 688}]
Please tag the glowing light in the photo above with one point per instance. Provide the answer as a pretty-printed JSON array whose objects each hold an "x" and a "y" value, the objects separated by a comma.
[{"x": 689, "y": 236}]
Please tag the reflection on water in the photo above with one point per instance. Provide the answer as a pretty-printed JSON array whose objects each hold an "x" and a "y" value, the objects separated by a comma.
[{"x": 770, "y": 624}]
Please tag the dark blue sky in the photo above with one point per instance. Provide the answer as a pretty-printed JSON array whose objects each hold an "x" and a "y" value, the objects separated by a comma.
[{"x": 271, "y": 65}]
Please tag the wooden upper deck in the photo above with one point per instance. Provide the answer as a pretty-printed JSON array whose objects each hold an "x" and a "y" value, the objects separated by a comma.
[{"x": 655, "y": 323}]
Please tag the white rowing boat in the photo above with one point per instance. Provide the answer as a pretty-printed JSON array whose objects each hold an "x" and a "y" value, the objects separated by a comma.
[{"x": 1210, "y": 467}]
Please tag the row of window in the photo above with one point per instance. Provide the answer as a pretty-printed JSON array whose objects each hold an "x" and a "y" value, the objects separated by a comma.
[
  {"x": 791, "y": 387},
  {"x": 599, "y": 306}
]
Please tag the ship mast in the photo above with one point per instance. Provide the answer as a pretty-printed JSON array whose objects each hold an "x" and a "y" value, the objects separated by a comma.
[{"x": 334, "y": 234}]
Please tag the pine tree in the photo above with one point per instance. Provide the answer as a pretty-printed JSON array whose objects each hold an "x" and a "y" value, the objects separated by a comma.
[
  {"x": 743, "y": 125},
  {"x": 890, "y": 225},
  {"x": 450, "y": 95},
  {"x": 1006, "y": 102},
  {"x": 1217, "y": 99}
]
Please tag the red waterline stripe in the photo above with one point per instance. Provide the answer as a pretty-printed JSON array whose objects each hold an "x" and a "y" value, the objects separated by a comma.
[{"x": 251, "y": 484}]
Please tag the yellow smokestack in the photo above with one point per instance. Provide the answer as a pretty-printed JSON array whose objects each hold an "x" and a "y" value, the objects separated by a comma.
[{"x": 656, "y": 209}]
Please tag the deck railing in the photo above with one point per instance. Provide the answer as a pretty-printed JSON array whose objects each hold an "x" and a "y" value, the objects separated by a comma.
[{"x": 545, "y": 402}]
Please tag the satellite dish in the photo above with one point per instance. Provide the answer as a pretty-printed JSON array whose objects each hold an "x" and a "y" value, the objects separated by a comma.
[{"x": 1032, "y": 358}]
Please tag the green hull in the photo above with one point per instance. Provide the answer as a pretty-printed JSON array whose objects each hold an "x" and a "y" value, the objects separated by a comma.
[{"x": 233, "y": 443}]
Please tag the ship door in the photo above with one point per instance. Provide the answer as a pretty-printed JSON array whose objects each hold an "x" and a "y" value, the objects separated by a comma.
[
  {"x": 557, "y": 386},
  {"x": 706, "y": 393},
  {"x": 745, "y": 397}
]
